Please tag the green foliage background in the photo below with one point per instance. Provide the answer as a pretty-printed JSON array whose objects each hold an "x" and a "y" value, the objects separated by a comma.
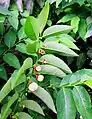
[{"x": 63, "y": 30}]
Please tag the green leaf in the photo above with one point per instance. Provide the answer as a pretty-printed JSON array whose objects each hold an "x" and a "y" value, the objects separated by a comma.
[
  {"x": 31, "y": 28},
  {"x": 3, "y": 73},
  {"x": 65, "y": 104},
  {"x": 75, "y": 24},
  {"x": 9, "y": 104},
  {"x": 52, "y": 70},
  {"x": 89, "y": 32},
  {"x": 12, "y": 60},
  {"x": 55, "y": 61},
  {"x": 5, "y": 90},
  {"x": 2, "y": 18},
  {"x": 56, "y": 30},
  {"x": 30, "y": 104},
  {"x": 21, "y": 47},
  {"x": 13, "y": 19},
  {"x": 67, "y": 40},
  {"x": 21, "y": 33},
  {"x": 82, "y": 28},
  {"x": 66, "y": 37},
  {"x": 43, "y": 16},
  {"x": 8, "y": 86},
  {"x": 10, "y": 38},
  {"x": 81, "y": 60},
  {"x": 45, "y": 97},
  {"x": 82, "y": 101},
  {"x": 26, "y": 64},
  {"x": 88, "y": 83},
  {"x": 59, "y": 48},
  {"x": 32, "y": 46},
  {"x": 4, "y": 11},
  {"x": 23, "y": 115},
  {"x": 7, "y": 113},
  {"x": 66, "y": 18},
  {"x": 79, "y": 77},
  {"x": 13, "y": 22}
]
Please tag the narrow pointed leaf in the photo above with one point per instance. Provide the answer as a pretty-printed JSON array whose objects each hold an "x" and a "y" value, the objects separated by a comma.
[
  {"x": 26, "y": 64},
  {"x": 83, "y": 102},
  {"x": 30, "y": 104},
  {"x": 8, "y": 86},
  {"x": 61, "y": 49},
  {"x": 9, "y": 104},
  {"x": 52, "y": 70},
  {"x": 31, "y": 28},
  {"x": 65, "y": 104},
  {"x": 45, "y": 97},
  {"x": 43, "y": 16},
  {"x": 23, "y": 115},
  {"x": 12, "y": 60},
  {"x": 66, "y": 40},
  {"x": 55, "y": 61},
  {"x": 56, "y": 30}
]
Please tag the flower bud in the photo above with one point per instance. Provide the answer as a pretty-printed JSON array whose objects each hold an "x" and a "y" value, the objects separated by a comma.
[
  {"x": 40, "y": 77},
  {"x": 33, "y": 86},
  {"x": 37, "y": 68},
  {"x": 41, "y": 51},
  {"x": 44, "y": 61}
]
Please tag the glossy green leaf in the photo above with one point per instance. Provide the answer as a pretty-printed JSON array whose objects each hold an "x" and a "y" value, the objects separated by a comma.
[
  {"x": 65, "y": 104},
  {"x": 23, "y": 115},
  {"x": 26, "y": 64},
  {"x": 8, "y": 86},
  {"x": 32, "y": 47},
  {"x": 67, "y": 40},
  {"x": 3, "y": 73},
  {"x": 66, "y": 18},
  {"x": 21, "y": 47},
  {"x": 10, "y": 38},
  {"x": 12, "y": 60},
  {"x": 56, "y": 30},
  {"x": 79, "y": 77},
  {"x": 88, "y": 83},
  {"x": 75, "y": 24},
  {"x": 5, "y": 90},
  {"x": 83, "y": 102},
  {"x": 52, "y": 70},
  {"x": 13, "y": 19},
  {"x": 2, "y": 18},
  {"x": 45, "y": 97},
  {"x": 7, "y": 113},
  {"x": 9, "y": 104},
  {"x": 4, "y": 11},
  {"x": 55, "y": 61},
  {"x": 21, "y": 33},
  {"x": 82, "y": 28},
  {"x": 30, "y": 104},
  {"x": 13, "y": 22},
  {"x": 56, "y": 47},
  {"x": 31, "y": 28},
  {"x": 43, "y": 16}
]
